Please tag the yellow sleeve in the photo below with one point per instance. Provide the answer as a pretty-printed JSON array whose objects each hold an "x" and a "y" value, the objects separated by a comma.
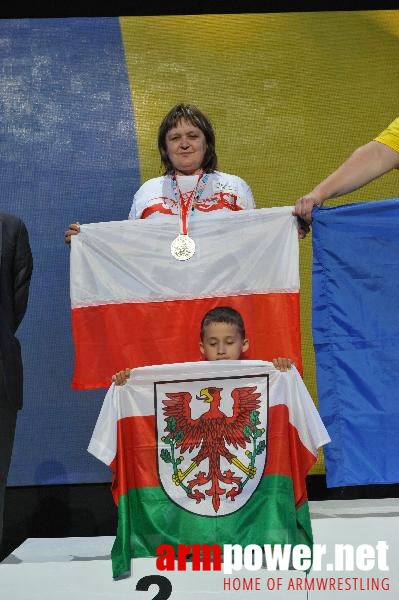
[{"x": 390, "y": 135}]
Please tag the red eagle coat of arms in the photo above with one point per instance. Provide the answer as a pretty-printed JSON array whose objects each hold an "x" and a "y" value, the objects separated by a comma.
[{"x": 212, "y": 442}]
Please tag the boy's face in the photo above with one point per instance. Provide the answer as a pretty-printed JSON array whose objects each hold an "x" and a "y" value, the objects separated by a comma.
[{"x": 222, "y": 341}]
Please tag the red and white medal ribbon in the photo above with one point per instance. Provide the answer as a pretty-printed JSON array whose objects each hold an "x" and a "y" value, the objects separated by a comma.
[{"x": 183, "y": 247}]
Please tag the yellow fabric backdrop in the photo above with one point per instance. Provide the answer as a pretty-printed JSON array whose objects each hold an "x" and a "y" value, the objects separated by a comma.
[{"x": 290, "y": 96}]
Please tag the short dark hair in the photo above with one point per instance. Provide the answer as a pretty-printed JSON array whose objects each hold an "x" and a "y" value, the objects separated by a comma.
[
  {"x": 191, "y": 113},
  {"x": 223, "y": 314}
]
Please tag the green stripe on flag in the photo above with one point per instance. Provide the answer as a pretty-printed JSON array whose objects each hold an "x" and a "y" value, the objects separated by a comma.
[{"x": 147, "y": 519}]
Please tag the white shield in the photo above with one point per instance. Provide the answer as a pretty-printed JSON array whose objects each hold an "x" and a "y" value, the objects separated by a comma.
[{"x": 212, "y": 441}]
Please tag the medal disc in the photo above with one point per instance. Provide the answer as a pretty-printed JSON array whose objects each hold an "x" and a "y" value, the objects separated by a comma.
[{"x": 182, "y": 247}]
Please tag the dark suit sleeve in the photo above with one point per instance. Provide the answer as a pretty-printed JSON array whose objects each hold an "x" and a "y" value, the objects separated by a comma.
[{"x": 22, "y": 271}]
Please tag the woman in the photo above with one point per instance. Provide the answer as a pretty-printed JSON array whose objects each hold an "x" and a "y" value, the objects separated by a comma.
[{"x": 190, "y": 184}]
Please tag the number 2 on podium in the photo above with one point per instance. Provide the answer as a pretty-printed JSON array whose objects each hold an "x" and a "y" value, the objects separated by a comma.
[{"x": 163, "y": 583}]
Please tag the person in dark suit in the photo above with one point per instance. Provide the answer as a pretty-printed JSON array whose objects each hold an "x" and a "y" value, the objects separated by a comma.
[{"x": 15, "y": 275}]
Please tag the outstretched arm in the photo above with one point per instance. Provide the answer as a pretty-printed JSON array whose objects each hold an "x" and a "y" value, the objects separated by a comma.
[{"x": 365, "y": 164}]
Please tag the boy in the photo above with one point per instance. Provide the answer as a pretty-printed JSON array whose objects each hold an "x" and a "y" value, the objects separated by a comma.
[{"x": 222, "y": 337}]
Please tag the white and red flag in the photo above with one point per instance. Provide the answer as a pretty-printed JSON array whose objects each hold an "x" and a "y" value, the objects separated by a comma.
[
  {"x": 208, "y": 453},
  {"x": 134, "y": 304}
]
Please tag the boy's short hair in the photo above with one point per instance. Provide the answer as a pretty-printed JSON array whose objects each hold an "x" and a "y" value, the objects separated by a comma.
[{"x": 223, "y": 314}]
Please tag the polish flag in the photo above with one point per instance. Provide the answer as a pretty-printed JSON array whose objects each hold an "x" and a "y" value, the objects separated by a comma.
[{"x": 134, "y": 304}]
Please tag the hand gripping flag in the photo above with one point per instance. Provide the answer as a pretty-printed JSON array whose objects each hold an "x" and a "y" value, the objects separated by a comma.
[
  {"x": 134, "y": 304},
  {"x": 356, "y": 338},
  {"x": 208, "y": 453}
]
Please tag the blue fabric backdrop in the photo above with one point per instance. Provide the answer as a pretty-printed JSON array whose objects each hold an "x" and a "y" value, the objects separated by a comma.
[{"x": 68, "y": 152}]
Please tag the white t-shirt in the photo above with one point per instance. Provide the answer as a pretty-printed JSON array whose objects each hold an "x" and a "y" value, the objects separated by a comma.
[{"x": 222, "y": 192}]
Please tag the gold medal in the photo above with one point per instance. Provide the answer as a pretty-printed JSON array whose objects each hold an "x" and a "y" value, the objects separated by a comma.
[{"x": 182, "y": 247}]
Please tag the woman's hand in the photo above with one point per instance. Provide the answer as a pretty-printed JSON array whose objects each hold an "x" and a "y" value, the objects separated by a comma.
[
  {"x": 73, "y": 229},
  {"x": 121, "y": 377}
]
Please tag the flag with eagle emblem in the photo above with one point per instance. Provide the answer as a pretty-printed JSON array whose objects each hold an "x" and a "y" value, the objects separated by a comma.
[{"x": 208, "y": 452}]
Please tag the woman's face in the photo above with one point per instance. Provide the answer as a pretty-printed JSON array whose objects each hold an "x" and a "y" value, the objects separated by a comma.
[{"x": 186, "y": 147}]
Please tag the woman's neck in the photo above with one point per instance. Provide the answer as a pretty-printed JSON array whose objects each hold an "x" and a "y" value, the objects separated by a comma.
[{"x": 195, "y": 172}]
